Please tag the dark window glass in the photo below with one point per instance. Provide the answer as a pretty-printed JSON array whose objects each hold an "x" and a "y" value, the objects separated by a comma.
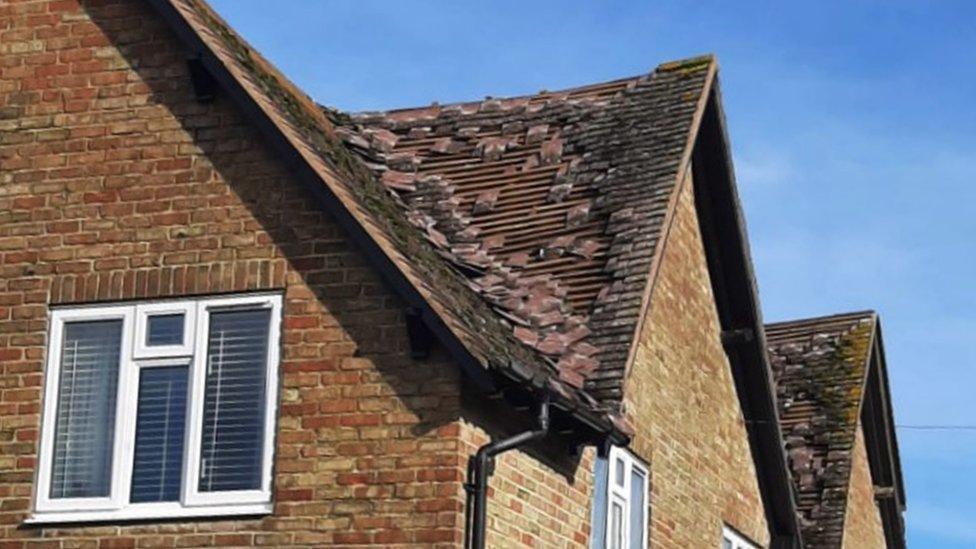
[
  {"x": 157, "y": 469},
  {"x": 85, "y": 419},
  {"x": 232, "y": 445}
]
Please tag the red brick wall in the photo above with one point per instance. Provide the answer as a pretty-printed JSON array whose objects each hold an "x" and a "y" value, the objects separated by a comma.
[
  {"x": 117, "y": 184},
  {"x": 862, "y": 525},
  {"x": 682, "y": 400}
]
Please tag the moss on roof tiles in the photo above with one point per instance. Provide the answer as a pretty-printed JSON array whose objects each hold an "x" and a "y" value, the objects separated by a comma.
[
  {"x": 669, "y": 95},
  {"x": 495, "y": 342},
  {"x": 820, "y": 367}
]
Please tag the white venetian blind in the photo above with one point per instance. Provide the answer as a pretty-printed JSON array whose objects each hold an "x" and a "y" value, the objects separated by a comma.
[
  {"x": 85, "y": 418},
  {"x": 157, "y": 468},
  {"x": 232, "y": 442}
]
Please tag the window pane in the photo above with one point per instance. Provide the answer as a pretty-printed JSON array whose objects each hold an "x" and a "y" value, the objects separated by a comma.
[
  {"x": 619, "y": 472},
  {"x": 232, "y": 442},
  {"x": 158, "y": 464},
  {"x": 164, "y": 330},
  {"x": 598, "y": 538},
  {"x": 638, "y": 487},
  {"x": 616, "y": 525},
  {"x": 85, "y": 418}
]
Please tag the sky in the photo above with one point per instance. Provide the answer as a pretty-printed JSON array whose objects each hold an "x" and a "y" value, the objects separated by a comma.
[{"x": 852, "y": 129}]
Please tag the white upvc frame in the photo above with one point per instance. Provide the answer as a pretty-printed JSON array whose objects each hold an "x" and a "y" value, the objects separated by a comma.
[
  {"x": 146, "y": 310},
  {"x": 736, "y": 540},
  {"x": 191, "y": 493},
  {"x": 192, "y": 503},
  {"x": 619, "y": 491},
  {"x": 59, "y": 318}
]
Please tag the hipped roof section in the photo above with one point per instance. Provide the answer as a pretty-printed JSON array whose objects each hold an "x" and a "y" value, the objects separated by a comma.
[
  {"x": 525, "y": 227},
  {"x": 822, "y": 368}
]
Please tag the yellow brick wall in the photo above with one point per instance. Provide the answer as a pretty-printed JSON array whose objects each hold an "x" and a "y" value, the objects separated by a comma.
[
  {"x": 862, "y": 525},
  {"x": 681, "y": 397},
  {"x": 536, "y": 498}
]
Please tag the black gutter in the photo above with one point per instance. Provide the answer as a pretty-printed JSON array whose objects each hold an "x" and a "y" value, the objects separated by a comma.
[
  {"x": 722, "y": 226},
  {"x": 881, "y": 443},
  {"x": 480, "y": 468}
]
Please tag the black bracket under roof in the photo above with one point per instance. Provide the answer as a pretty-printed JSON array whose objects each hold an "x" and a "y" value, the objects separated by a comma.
[
  {"x": 737, "y": 336},
  {"x": 421, "y": 338},
  {"x": 204, "y": 84}
]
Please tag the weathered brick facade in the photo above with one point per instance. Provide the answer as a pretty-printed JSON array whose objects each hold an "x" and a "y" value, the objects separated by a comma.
[
  {"x": 862, "y": 527},
  {"x": 118, "y": 184},
  {"x": 680, "y": 392}
]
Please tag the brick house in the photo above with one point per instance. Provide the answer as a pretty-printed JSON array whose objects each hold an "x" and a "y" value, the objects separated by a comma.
[{"x": 234, "y": 317}]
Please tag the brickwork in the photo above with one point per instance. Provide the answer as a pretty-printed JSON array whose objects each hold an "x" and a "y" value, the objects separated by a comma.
[
  {"x": 682, "y": 400},
  {"x": 862, "y": 527},
  {"x": 117, "y": 184},
  {"x": 536, "y": 498}
]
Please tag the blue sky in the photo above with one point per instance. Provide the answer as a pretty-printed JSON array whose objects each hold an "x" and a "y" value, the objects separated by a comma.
[{"x": 852, "y": 131}]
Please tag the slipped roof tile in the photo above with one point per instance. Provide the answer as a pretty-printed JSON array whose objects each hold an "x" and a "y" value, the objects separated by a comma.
[{"x": 556, "y": 184}]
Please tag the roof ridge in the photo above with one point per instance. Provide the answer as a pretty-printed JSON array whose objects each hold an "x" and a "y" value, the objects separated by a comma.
[
  {"x": 688, "y": 64},
  {"x": 813, "y": 320},
  {"x": 836, "y": 323}
]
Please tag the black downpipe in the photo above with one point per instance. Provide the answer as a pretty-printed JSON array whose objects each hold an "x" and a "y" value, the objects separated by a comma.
[{"x": 480, "y": 468}]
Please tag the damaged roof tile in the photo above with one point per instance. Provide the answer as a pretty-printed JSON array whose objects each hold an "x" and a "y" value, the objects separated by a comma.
[{"x": 550, "y": 199}]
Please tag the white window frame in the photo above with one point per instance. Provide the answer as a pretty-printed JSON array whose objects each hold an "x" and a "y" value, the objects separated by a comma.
[
  {"x": 619, "y": 493},
  {"x": 134, "y": 356},
  {"x": 737, "y": 540},
  {"x": 144, "y": 311}
]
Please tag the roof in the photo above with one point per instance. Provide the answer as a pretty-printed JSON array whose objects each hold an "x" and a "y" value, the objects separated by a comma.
[
  {"x": 527, "y": 225},
  {"x": 563, "y": 336},
  {"x": 551, "y": 205},
  {"x": 822, "y": 368},
  {"x": 590, "y": 172}
]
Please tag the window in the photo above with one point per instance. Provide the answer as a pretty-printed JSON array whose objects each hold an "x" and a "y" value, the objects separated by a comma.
[
  {"x": 734, "y": 540},
  {"x": 159, "y": 410},
  {"x": 620, "y": 502}
]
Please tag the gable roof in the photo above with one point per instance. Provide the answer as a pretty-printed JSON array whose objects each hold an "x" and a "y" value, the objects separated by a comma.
[
  {"x": 551, "y": 204},
  {"x": 619, "y": 145},
  {"x": 483, "y": 343},
  {"x": 553, "y": 300},
  {"x": 831, "y": 379}
]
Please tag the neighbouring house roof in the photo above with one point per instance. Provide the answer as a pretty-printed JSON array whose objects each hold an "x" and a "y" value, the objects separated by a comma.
[
  {"x": 527, "y": 231},
  {"x": 831, "y": 379}
]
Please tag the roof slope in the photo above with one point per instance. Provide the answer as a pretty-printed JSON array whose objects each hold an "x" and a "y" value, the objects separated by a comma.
[
  {"x": 821, "y": 367},
  {"x": 581, "y": 181},
  {"x": 551, "y": 204}
]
